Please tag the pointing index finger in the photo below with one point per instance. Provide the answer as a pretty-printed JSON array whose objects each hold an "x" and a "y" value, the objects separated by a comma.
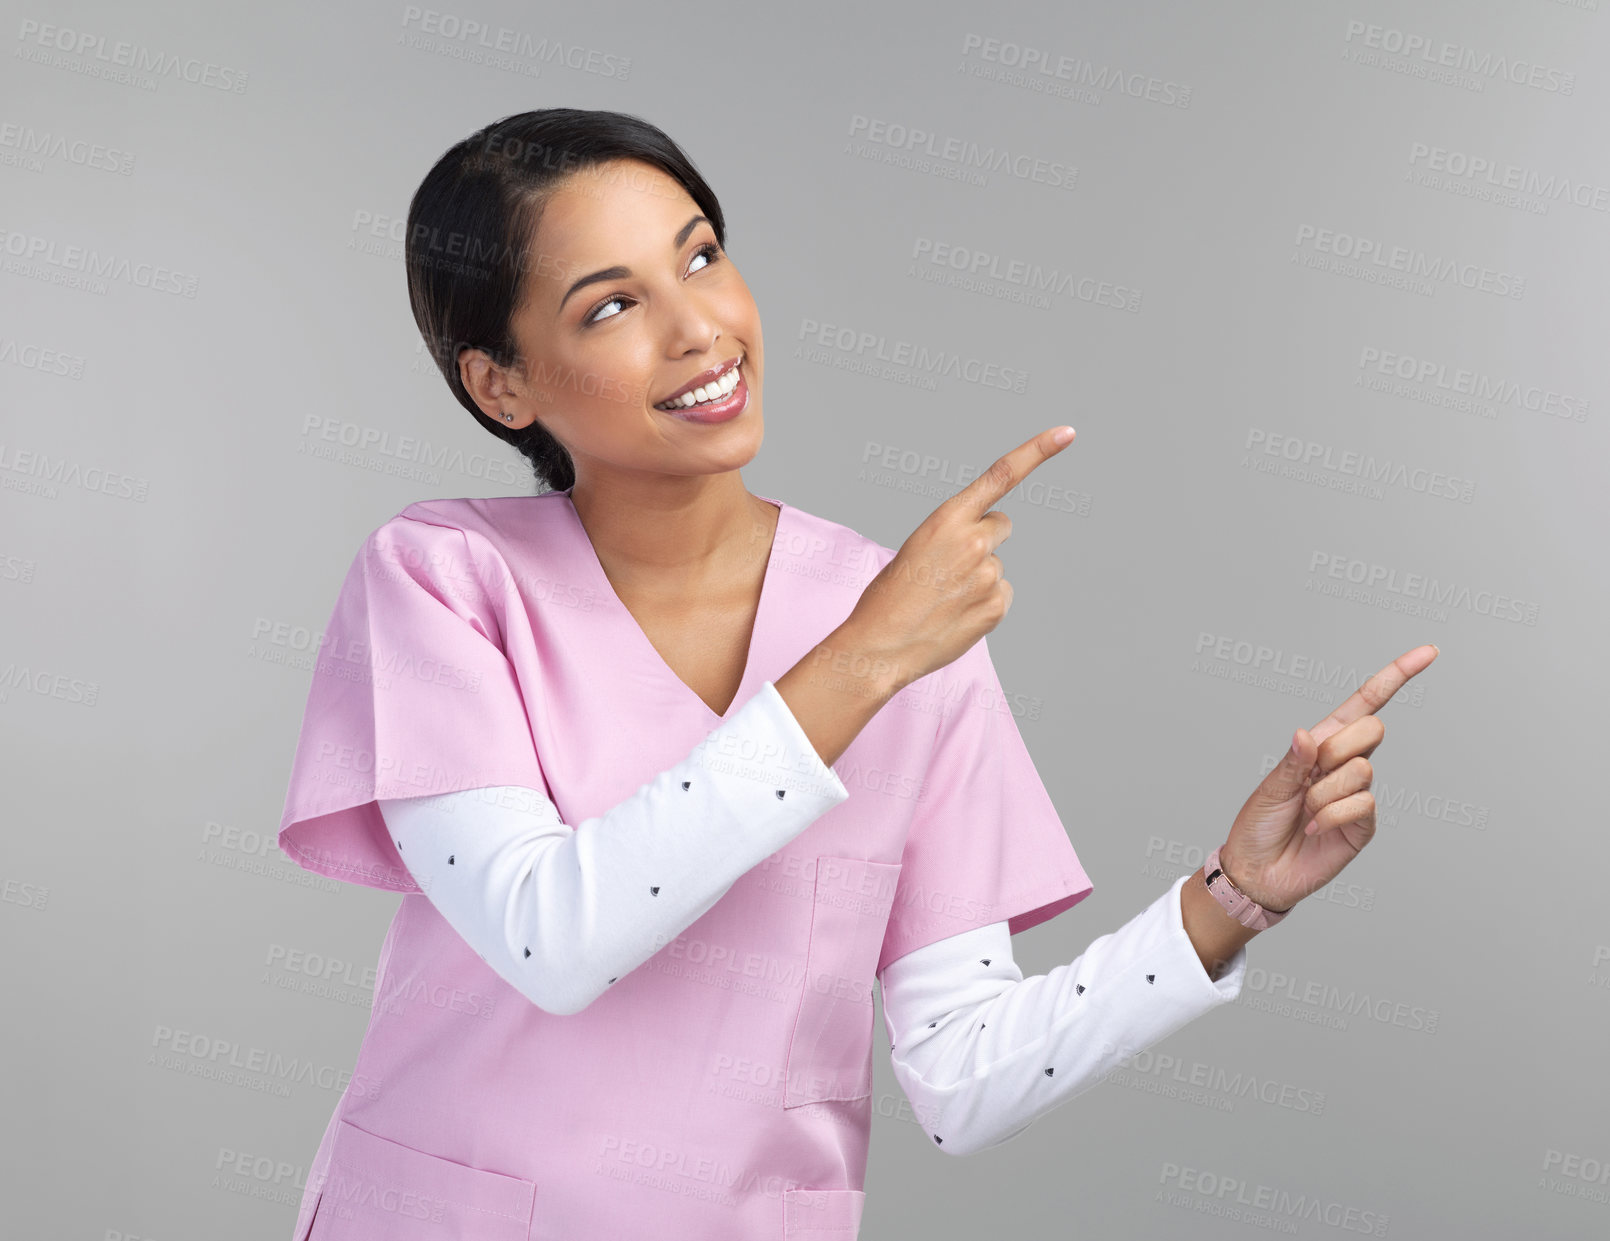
[
  {"x": 1376, "y": 692},
  {"x": 1007, "y": 472}
]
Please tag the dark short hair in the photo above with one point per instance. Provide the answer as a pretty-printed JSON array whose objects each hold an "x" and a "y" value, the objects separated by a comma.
[{"x": 471, "y": 226}]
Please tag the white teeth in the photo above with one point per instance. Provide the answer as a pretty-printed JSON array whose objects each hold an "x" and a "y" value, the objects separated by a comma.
[{"x": 710, "y": 392}]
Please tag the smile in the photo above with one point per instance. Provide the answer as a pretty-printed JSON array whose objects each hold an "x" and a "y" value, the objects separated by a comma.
[
  {"x": 715, "y": 387},
  {"x": 715, "y": 401}
]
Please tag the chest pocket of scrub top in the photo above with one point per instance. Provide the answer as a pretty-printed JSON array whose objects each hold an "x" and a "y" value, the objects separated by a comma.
[
  {"x": 379, "y": 1188},
  {"x": 830, "y": 1049}
]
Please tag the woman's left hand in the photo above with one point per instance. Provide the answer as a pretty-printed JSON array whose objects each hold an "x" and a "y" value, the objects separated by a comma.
[{"x": 1314, "y": 812}]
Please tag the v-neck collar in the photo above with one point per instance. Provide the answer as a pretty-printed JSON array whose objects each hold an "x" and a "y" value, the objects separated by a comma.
[{"x": 754, "y": 657}]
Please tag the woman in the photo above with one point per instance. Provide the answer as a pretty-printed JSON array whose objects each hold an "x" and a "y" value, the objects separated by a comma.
[{"x": 596, "y": 737}]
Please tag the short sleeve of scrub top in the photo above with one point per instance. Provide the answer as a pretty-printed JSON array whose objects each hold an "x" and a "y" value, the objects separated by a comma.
[
  {"x": 411, "y": 695},
  {"x": 985, "y": 843}
]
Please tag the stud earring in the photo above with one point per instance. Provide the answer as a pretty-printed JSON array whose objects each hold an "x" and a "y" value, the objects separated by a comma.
[{"x": 508, "y": 417}]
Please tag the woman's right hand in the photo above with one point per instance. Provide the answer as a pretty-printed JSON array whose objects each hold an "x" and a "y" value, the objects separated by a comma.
[{"x": 945, "y": 588}]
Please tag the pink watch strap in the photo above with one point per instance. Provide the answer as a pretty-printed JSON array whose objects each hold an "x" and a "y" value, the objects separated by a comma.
[{"x": 1237, "y": 903}]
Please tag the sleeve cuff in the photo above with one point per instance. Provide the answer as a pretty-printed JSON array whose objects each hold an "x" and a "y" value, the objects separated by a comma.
[{"x": 1171, "y": 925}]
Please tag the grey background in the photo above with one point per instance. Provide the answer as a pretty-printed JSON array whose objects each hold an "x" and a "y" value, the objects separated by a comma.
[{"x": 178, "y": 510}]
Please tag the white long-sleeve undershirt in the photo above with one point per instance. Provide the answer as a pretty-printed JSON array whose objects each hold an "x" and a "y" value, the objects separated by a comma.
[
  {"x": 560, "y": 913},
  {"x": 983, "y": 1052}
]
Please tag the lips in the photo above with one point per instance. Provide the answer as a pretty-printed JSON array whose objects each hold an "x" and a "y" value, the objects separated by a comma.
[{"x": 701, "y": 379}]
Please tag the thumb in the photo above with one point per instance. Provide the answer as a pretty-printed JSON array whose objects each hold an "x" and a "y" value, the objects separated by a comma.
[{"x": 1286, "y": 780}]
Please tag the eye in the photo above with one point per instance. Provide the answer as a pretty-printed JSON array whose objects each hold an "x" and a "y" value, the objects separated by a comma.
[
  {"x": 593, "y": 315},
  {"x": 712, "y": 254},
  {"x": 711, "y": 249}
]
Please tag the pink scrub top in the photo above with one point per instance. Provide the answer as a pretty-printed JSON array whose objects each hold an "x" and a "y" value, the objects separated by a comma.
[{"x": 724, "y": 1088}]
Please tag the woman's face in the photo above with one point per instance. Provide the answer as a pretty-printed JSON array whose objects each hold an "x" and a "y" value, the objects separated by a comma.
[{"x": 600, "y": 354}]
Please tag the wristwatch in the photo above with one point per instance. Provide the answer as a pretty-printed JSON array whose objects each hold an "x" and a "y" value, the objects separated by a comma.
[{"x": 1237, "y": 903}]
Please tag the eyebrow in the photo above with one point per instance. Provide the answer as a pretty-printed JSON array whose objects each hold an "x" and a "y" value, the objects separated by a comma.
[{"x": 621, "y": 273}]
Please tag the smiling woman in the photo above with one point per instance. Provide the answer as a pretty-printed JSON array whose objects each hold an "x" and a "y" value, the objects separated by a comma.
[
  {"x": 568, "y": 270},
  {"x": 590, "y": 736}
]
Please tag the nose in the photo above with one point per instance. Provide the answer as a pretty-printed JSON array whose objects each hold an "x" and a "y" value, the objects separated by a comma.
[{"x": 694, "y": 327}]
